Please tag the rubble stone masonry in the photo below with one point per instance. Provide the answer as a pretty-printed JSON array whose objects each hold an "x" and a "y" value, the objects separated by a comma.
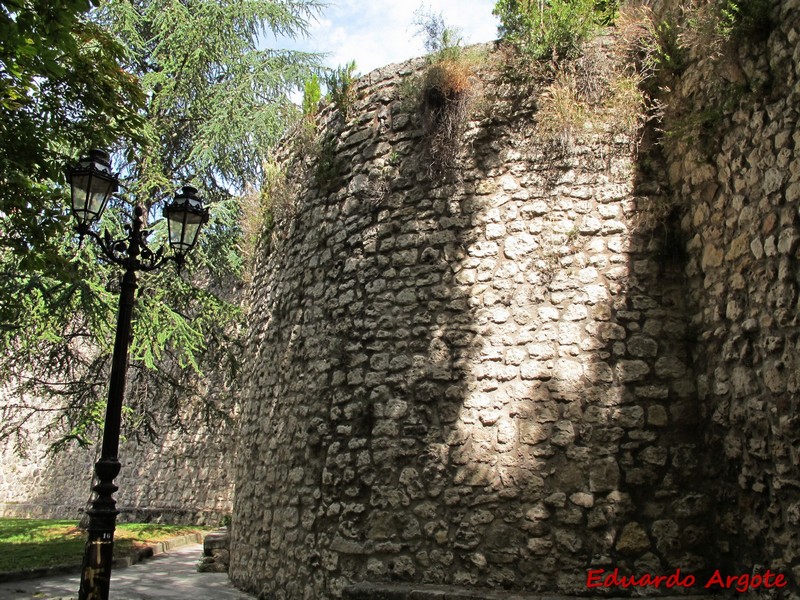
[
  {"x": 740, "y": 189},
  {"x": 184, "y": 477},
  {"x": 502, "y": 378}
]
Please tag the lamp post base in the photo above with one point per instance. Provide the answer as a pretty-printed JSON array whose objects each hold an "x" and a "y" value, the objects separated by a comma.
[
  {"x": 96, "y": 573},
  {"x": 97, "y": 558}
]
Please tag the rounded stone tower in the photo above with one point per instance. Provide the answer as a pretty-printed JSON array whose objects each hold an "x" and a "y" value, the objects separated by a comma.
[{"x": 467, "y": 362}]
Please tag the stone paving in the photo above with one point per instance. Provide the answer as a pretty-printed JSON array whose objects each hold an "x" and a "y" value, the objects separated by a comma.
[{"x": 169, "y": 576}]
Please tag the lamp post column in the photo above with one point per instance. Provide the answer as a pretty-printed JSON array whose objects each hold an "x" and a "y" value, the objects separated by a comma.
[
  {"x": 92, "y": 184},
  {"x": 98, "y": 556}
]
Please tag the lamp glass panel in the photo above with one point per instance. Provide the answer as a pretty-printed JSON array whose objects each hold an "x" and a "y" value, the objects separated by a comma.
[
  {"x": 100, "y": 190},
  {"x": 183, "y": 229},
  {"x": 175, "y": 229},
  {"x": 80, "y": 183},
  {"x": 190, "y": 231},
  {"x": 90, "y": 194}
]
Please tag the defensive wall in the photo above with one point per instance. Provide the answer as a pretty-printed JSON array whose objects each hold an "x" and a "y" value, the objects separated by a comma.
[
  {"x": 541, "y": 355},
  {"x": 184, "y": 476}
]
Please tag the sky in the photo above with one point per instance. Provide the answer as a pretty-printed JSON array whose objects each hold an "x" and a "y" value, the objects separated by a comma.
[{"x": 375, "y": 33}]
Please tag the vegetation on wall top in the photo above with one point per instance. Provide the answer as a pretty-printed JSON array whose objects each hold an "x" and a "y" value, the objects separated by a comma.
[
  {"x": 552, "y": 29},
  {"x": 445, "y": 91},
  {"x": 340, "y": 82}
]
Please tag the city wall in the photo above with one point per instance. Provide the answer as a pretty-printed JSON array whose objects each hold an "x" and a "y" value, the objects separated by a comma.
[{"x": 558, "y": 355}]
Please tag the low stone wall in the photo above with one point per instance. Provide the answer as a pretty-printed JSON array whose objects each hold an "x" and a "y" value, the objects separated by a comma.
[{"x": 216, "y": 552}]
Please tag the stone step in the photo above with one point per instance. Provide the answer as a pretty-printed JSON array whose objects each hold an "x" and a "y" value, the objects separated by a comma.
[{"x": 216, "y": 552}]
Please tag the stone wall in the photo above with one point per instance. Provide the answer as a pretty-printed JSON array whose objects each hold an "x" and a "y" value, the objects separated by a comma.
[
  {"x": 478, "y": 380},
  {"x": 740, "y": 185},
  {"x": 184, "y": 477}
]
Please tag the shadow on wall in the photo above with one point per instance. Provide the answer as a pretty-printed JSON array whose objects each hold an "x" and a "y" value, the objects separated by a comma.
[{"x": 479, "y": 381}]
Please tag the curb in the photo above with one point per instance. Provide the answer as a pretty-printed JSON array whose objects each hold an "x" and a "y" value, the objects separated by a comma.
[
  {"x": 158, "y": 548},
  {"x": 120, "y": 563}
]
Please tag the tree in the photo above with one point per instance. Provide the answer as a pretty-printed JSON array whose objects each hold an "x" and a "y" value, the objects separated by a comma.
[
  {"x": 61, "y": 87},
  {"x": 215, "y": 104}
]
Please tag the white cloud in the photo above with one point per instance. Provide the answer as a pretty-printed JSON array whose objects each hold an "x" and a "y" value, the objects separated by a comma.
[{"x": 380, "y": 32}]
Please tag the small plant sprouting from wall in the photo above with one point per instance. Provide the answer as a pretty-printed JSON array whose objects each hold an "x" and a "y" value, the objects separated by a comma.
[
  {"x": 651, "y": 44},
  {"x": 312, "y": 94},
  {"x": 306, "y": 127},
  {"x": 749, "y": 20},
  {"x": 444, "y": 92},
  {"x": 340, "y": 87},
  {"x": 709, "y": 27},
  {"x": 320, "y": 149}
]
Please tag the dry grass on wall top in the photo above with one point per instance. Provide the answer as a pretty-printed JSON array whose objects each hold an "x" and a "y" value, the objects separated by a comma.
[
  {"x": 445, "y": 82},
  {"x": 265, "y": 213},
  {"x": 596, "y": 94},
  {"x": 446, "y": 94},
  {"x": 599, "y": 93},
  {"x": 709, "y": 36},
  {"x": 616, "y": 82}
]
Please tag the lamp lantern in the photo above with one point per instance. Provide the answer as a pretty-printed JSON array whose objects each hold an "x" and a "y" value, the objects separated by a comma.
[
  {"x": 92, "y": 184},
  {"x": 185, "y": 215}
]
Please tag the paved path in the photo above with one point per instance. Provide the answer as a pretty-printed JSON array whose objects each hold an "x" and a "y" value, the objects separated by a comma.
[{"x": 169, "y": 576}]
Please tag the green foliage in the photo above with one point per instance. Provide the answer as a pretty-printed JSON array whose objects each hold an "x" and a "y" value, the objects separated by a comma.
[
  {"x": 312, "y": 94},
  {"x": 217, "y": 101},
  {"x": 724, "y": 21},
  {"x": 340, "y": 87},
  {"x": 666, "y": 53},
  {"x": 212, "y": 104},
  {"x": 545, "y": 29},
  {"x": 653, "y": 46},
  {"x": 747, "y": 20},
  {"x": 606, "y": 11},
  {"x": 305, "y": 129},
  {"x": 61, "y": 88}
]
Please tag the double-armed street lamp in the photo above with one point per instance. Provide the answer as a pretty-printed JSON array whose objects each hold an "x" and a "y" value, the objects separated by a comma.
[{"x": 92, "y": 184}]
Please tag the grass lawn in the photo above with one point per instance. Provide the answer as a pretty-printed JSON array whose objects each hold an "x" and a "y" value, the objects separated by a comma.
[{"x": 33, "y": 543}]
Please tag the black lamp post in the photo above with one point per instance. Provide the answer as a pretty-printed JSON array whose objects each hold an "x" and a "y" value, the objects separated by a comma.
[{"x": 92, "y": 184}]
